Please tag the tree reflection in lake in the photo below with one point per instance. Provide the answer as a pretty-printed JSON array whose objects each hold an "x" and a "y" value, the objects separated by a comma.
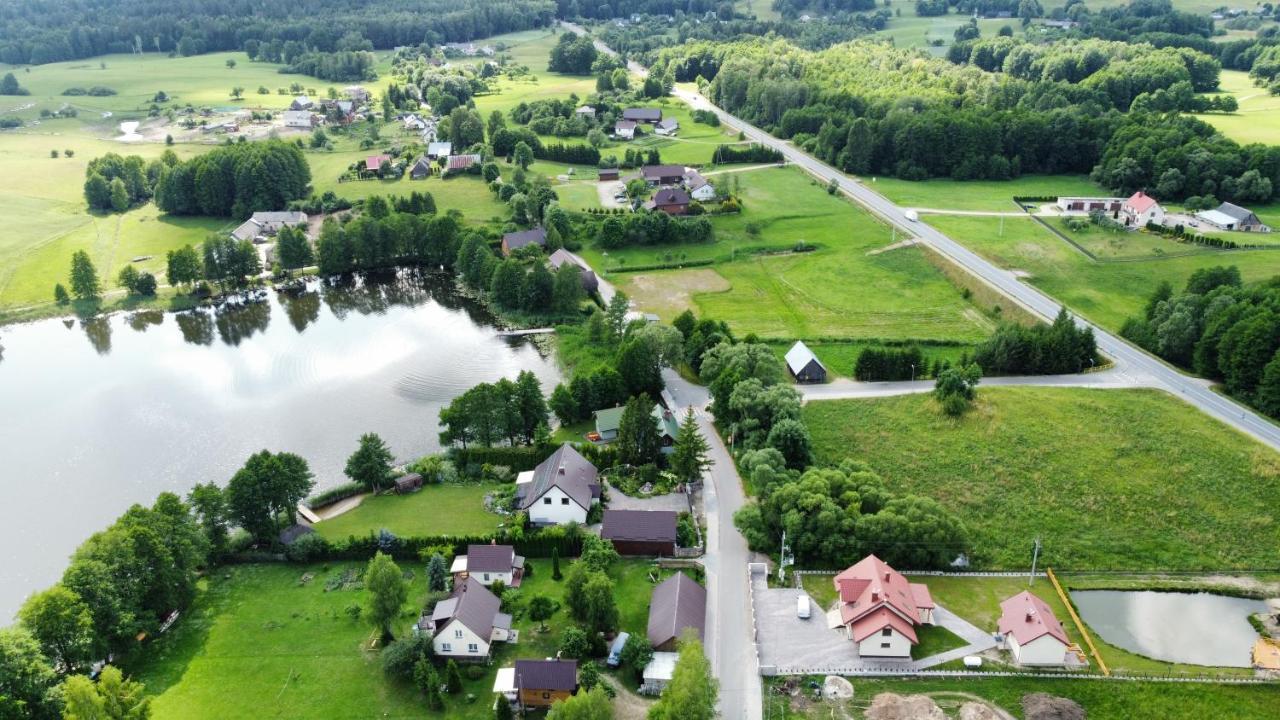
[
  {"x": 196, "y": 326},
  {"x": 98, "y": 330},
  {"x": 143, "y": 319}
]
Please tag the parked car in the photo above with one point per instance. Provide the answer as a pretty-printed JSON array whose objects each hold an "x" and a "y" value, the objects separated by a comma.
[
  {"x": 615, "y": 650},
  {"x": 802, "y": 607}
]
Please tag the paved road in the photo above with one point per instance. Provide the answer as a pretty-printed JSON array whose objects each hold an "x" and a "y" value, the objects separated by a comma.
[
  {"x": 1135, "y": 362},
  {"x": 843, "y": 389}
]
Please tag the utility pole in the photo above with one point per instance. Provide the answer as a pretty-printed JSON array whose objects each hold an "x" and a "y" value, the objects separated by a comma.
[{"x": 1034, "y": 558}]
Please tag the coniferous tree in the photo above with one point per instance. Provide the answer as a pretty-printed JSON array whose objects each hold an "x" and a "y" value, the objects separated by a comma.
[{"x": 84, "y": 277}]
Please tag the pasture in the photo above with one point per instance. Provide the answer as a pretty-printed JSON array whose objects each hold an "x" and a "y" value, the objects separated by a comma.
[
  {"x": 1105, "y": 292},
  {"x": 1109, "y": 479},
  {"x": 1258, "y": 118}
]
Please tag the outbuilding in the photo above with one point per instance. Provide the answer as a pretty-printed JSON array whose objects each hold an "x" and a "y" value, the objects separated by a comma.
[
  {"x": 408, "y": 483},
  {"x": 642, "y": 115},
  {"x": 678, "y": 605},
  {"x": 1031, "y": 633},
  {"x": 1233, "y": 217},
  {"x": 539, "y": 683},
  {"x": 804, "y": 365},
  {"x": 641, "y": 532}
]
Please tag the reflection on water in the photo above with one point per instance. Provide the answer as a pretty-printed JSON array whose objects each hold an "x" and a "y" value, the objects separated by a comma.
[
  {"x": 1192, "y": 628},
  {"x": 106, "y": 412}
]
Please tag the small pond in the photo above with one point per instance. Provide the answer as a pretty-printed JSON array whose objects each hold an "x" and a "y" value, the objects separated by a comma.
[{"x": 1191, "y": 628}]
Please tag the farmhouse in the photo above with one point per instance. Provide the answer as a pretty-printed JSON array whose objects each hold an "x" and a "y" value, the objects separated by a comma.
[
  {"x": 1031, "y": 633},
  {"x": 608, "y": 421},
  {"x": 1141, "y": 209},
  {"x": 262, "y": 225},
  {"x": 515, "y": 240},
  {"x": 437, "y": 150},
  {"x": 804, "y": 365},
  {"x": 641, "y": 532},
  {"x": 421, "y": 169},
  {"x": 699, "y": 188},
  {"x": 488, "y": 564},
  {"x": 666, "y": 127},
  {"x": 302, "y": 102},
  {"x": 672, "y": 201},
  {"x": 663, "y": 174},
  {"x": 642, "y": 115},
  {"x": 590, "y": 282},
  {"x": 539, "y": 683},
  {"x": 460, "y": 163},
  {"x": 561, "y": 489},
  {"x": 465, "y": 625},
  {"x": 299, "y": 119},
  {"x": 880, "y": 609},
  {"x": 1233, "y": 217},
  {"x": 678, "y": 604},
  {"x": 624, "y": 129},
  {"x": 1089, "y": 204}
]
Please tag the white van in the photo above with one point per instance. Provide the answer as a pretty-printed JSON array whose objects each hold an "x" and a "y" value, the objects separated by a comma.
[
  {"x": 912, "y": 215},
  {"x": 802, "y": 607}
]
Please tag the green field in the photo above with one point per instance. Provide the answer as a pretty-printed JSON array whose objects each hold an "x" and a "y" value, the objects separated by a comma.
[
  {"x": 433, "y": 510},
  {"x": 1109, "y": 479},
  {"x": 840, "y": 290},
  {"x": 1105, "y": 292},
  {"x": 912, "y": 31},
  {"x": 1257, "y": 120},
  {"x": 1100, "y": 700},
  {"x": 979, "y": 195},
  {"x": 259, "y": 642}
]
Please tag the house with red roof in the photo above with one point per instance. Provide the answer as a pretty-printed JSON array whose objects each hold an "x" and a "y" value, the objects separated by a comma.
[
  {"x": 1031, "y": 633},
  {"x": 881, "y": 610},
  {"x": 374, "y": 163},
  {"x": 1141, "y": 209}
]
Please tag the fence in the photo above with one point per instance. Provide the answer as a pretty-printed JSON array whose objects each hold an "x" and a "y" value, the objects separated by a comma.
[{"x": 774, "y": 671}]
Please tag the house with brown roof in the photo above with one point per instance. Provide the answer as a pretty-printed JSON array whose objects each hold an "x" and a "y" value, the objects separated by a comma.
[
  {"x": 1032, "y": 634},
  {"x": 678, "y": 604},
  {"x": 465, "y": 625},
  {"x": 662, "y": 174},
  {"x": 560, "y": 490},
  {"x": 488, "y": 564},
  {"x": 880, "y": 610},
  {"x": 641, "y": 532},
  {"x": 539, "y": 683},
  {"x": 672, "y": 201},
  {"x": 513, "y": 241}
]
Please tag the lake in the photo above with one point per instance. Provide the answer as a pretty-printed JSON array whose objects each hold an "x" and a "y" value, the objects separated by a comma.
[
  {"x": 1192, "y": 628},
  {"x": 101, "y": 414}
]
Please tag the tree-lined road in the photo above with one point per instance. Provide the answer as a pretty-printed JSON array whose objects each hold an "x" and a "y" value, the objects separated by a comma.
[{"x": 1140, "y": 366}]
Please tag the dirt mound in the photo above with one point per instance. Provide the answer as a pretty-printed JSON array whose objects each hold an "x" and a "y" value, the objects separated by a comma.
[
  {"x": 977, "y": 711},
  {"x": 1041, "y": 706},
  {"x": 888, "y": 706},
  {"x": 835, "y": 687}
]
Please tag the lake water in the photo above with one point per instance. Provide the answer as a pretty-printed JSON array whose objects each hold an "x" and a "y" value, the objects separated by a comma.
[
  {"x": 101, "y": 414},
  {"x": 1192, "y": 628}
]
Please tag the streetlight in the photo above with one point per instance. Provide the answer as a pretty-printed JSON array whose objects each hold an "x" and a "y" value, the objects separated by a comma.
[{"x": 913, "y": 372}]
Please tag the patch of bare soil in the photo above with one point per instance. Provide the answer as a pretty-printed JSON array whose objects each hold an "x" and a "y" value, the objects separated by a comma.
[
  {"x": 626, "y": 704},
  {"x": 977, "y": 711},
  {"x": 1042, "y": 706},
  {"x": 891, "y": 706},
  {"x": 672, "y": 291}
]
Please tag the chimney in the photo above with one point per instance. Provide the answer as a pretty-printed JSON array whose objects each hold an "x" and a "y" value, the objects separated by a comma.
[
  {"x": 886, "y": 576},
  {"x": 1031, "y": 615},
  {"x": 561, "y": 469}
]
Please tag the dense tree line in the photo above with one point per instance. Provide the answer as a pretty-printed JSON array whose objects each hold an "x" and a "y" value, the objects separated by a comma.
[
  {"x": 235, "y": 180},
  {"x": 890, "y": 364},
  {"x": 832, "y": 517},
  {"x": 489, "y": 414},
  {"x": 1059, "y": 348},
  {"x": 754, "y": 153},
  {"x": 345, "y": 66},
  {"x": 615, "y": 231},
  {"x": 1221, "y": 328},
  {"x": 43, "y": 31},
  {"x": 116, "y": 182},
  {"x": 653, "y": 33},
  {"x": 385, "y": 235}
]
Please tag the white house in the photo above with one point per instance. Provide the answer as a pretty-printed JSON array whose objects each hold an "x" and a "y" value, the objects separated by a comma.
[
  {"x": 1031, "y": 633},
  {"x": 880, "y": 610},
  {"x": 299, "y": 119},
  {"x": 488, "y": 564},
  {"x": 1141, "y": 209},
  {"x": 624, "y": 129},
  {"x": 560, "y": 490},
  {"x": 699, "y": 188},
  {"x": 465, "y": 625}
]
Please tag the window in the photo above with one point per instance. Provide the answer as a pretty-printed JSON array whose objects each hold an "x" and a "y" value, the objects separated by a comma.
[
  {"x": 473, "y": 648},
  {"x": 546, "y": 501},
  {"x": 564, "y": 501},
  {"x": 486, "y": 577},
  {"x": 884, "y": 645},
  {"x": 446, "y": 647},
  {"x": 887, "y": 632},
  {"x": 457, "y": 634}
]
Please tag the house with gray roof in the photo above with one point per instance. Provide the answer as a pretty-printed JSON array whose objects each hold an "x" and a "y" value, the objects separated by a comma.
[
  {"x": 560, "y": 490},
  {"x": 513, "y": 241},
  {"x": 678, "y": 604},
  {"x": 560, "y": 257},
  {"x": 641, "y": 532},
  {"x": 1233, "y": 217},
  {"x": 266, "y": 224},
  {"x": 488, "y": 564},
  {"x": 465, "y": 625},
  {"x": 804, "y": 365},
  {"x": 642, "y": 115}
]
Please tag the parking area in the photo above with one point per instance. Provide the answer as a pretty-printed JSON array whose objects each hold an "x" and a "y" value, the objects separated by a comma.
[{"x": 608, "y": 191}]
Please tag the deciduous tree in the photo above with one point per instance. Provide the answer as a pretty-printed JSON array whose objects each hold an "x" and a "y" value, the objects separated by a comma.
[
  {"x": 370, "y": 464},
  {"x": 387, "y": 593},
  {"x": 61, "y": 622},
  {"x": 692, "y": 692}
]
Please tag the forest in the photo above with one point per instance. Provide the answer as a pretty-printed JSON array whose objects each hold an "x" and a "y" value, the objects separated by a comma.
[
  {"x": 43, "y": 31},
  {"x": 235, "y": 180}
]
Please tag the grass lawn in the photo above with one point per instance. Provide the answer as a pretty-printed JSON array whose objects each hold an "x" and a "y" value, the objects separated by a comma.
[
  {"x": 934, "y": 639},
  {"x": 1106, "y": 293},
  {"x": 911, "y": 30},
  {"x": 434, "y": 510},
  {"x": 1258, "y": 118},
  {"x": 1110, "y": 479},
  {"x": 840, "y": 290},
  {"x": 260, "y": 643},
  {"x": 979, "y": 195}
]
